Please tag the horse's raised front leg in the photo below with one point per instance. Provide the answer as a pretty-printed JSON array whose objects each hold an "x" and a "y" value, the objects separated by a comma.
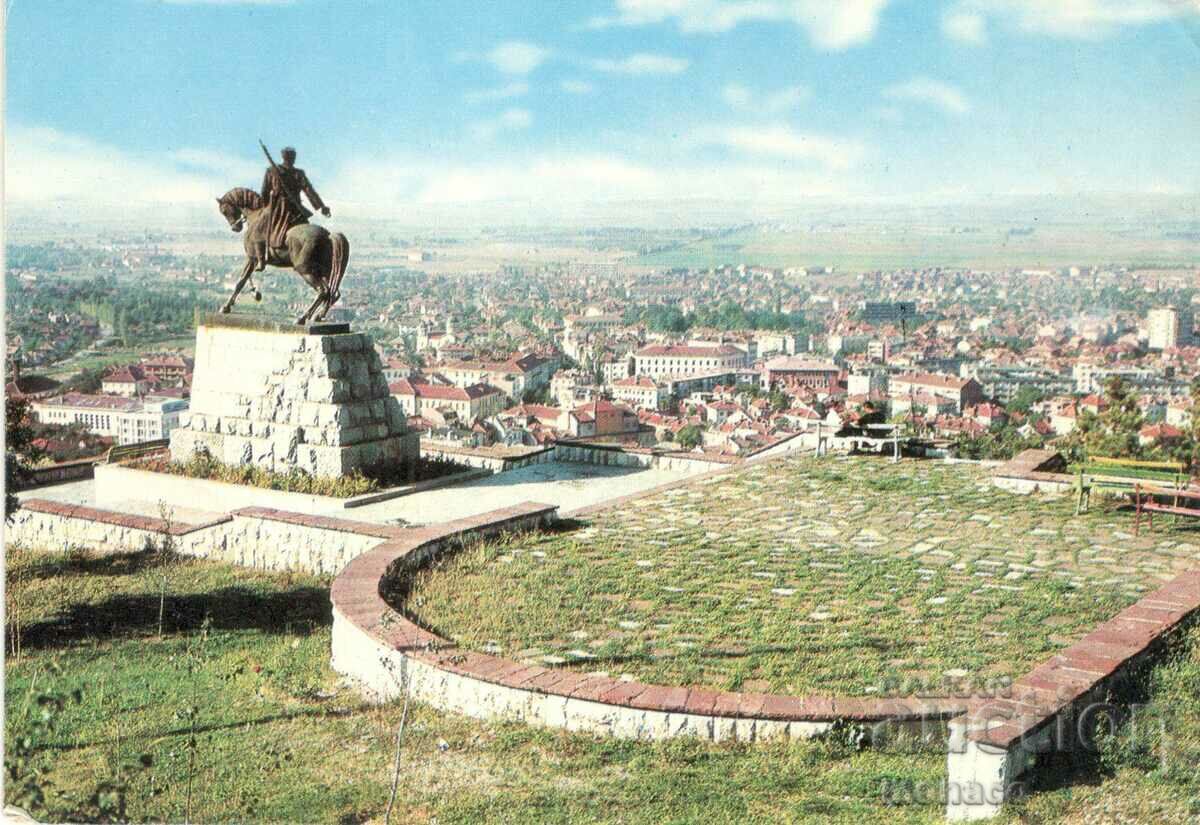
[{"x": 247, "y": 270}]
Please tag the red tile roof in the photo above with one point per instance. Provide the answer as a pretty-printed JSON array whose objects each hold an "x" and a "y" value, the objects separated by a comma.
[
  {"x": 680, "y": 351},
  {"x": 441, "y": 392},
  {"x": 926, "y": 379}
]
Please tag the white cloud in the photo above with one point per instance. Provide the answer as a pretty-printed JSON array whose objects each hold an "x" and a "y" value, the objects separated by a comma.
[
  {"x": 45, "y": 165},
  {"x": 227, "y": 167},
  {"x": 512, "y": 56},
  {"x": 779, "y": 141},
  {"x": 510, "y": 120},
  {"x": 965, "y": 26},
  {"x": 555, "y": 177},
  {"x": 577, "y": 87},
  {"x": 507, "y": 92},
  {"x": 930, "y": 92},
  {"x": 773, "y": 102},
  {"x": 841, "y": 24},
  {"x": 575, "y": 179},
  {"x": 830, "y": 24},
  {"x": 1080, "y": 19},
  {"x": 641, "y": 64}
]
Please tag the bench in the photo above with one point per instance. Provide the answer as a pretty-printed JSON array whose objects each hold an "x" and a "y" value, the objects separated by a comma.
[
  {"x": 1149, "y": 499},
  {"x": 127, "y": 452},
  {"x": 1120, "y": 475}
]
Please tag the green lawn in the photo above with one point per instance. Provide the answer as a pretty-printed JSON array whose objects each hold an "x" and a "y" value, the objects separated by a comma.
[
  {"x": 277, "y": 738},
  {"x": 842, "y": 575},
  {"x": 236, "y": 702}
]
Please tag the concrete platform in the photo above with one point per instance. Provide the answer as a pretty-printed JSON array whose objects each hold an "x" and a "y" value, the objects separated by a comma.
[
  {"x": 260, "y": 323},
  {"x": 568, "y": 486}
]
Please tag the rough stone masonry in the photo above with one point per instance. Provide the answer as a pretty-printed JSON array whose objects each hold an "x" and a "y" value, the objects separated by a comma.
[{"x": 283, "y": 398}]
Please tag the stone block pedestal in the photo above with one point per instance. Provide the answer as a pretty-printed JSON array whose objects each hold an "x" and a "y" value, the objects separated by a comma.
[{"x": 284, "y": 397}]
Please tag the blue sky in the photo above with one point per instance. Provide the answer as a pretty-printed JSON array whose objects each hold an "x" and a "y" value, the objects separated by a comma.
[{"x": 393, "y": 104}]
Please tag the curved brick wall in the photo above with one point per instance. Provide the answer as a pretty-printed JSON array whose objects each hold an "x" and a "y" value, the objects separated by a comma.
[{"x": 381, "y": 649}]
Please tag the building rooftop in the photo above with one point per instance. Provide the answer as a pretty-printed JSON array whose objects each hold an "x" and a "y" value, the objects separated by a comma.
[
  {"x": 681, "y": 351},
  {"x": 78, "y": 400},
  {"x": 441, "y": 392}
]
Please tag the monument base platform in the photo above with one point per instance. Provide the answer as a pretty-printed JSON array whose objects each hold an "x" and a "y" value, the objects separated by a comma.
[{"x": 284, "y": 397}]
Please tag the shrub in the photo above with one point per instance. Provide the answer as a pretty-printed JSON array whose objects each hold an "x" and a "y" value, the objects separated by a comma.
[{"x": 203, "y": 465}]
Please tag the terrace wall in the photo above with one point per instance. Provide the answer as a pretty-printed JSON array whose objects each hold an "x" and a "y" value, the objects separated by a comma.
[
  {"x": 63, "y": 472},
  {"x": 620, "y": 457},
  {"x": 1053, "y": 706},
  {"x": 60, "y": 527},
  {"x": 257, "y": 537},
  {"x": 495, "y": 463},
  {"x": 1033, "y": 471}
]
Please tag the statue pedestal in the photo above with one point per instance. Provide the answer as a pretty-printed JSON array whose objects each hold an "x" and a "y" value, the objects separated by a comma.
[{"x": 283, "y": 397}]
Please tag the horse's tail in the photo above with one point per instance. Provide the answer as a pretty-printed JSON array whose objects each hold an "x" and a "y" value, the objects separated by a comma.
[{"x": 339, "y": 259}]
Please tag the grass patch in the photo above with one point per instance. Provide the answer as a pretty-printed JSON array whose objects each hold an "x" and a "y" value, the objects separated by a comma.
[
  {"x": 840, "y": 575},
  {"x": 237, "y": 696}
]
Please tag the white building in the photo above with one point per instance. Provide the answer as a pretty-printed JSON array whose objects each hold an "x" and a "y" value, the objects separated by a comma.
[
  {"x": 591, "y": 322},
  {"x": 675, "y": 360},
  {"x": 1162, "y": 328},
  {"x": 125, "y": 420},
  {"x": 468, "y": 403},
  {"x": 616, "y": 369},
  {"x": 641, "y": 392}
]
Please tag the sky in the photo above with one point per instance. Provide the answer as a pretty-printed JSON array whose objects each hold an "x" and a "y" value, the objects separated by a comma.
[{"x": 397, "y": 106}]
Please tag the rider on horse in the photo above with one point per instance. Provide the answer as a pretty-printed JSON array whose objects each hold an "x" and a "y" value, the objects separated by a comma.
[{"x": 281, "y": 189}]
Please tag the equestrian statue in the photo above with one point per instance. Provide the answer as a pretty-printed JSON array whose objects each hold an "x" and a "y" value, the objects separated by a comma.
[{"x": 278, "y": 233}]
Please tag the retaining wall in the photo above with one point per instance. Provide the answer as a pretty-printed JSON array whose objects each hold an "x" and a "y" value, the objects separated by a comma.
[
  {"x": 495, "y": 463},
  {"x": 256, "y": 537},
  {"x": 619, "y": 457},
  {"x": 56, "y": 526},
  {"x": 1033, "y": 471},
  {"x": 1054, "y": 706}
]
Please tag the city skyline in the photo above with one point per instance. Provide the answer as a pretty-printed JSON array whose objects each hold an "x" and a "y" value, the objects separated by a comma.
[{"x": 659, "y": 100}]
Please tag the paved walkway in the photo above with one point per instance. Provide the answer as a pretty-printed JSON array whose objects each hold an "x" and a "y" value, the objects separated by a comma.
[
  {"x": 84, "y": 492},
  {"x": 569, "y": 486}
]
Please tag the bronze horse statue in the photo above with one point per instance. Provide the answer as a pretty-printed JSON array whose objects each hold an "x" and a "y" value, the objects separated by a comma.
[{"x": 318, "y": 255}]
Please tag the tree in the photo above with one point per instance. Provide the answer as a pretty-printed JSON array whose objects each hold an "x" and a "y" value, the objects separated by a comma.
[
  {"x": 1121, "y": 422},
  {"x": 999, "y": 443},
  {"x": 690, "y": 437},
  {"x": 1024, "y": 398},
  {"x": 19, "y": 452},
  {"x": 1114, "y": 432},
  {"x": 779, "y": 400}
]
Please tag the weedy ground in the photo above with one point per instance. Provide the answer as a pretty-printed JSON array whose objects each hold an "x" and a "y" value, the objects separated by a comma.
[{"x": 836, "y": 575}]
